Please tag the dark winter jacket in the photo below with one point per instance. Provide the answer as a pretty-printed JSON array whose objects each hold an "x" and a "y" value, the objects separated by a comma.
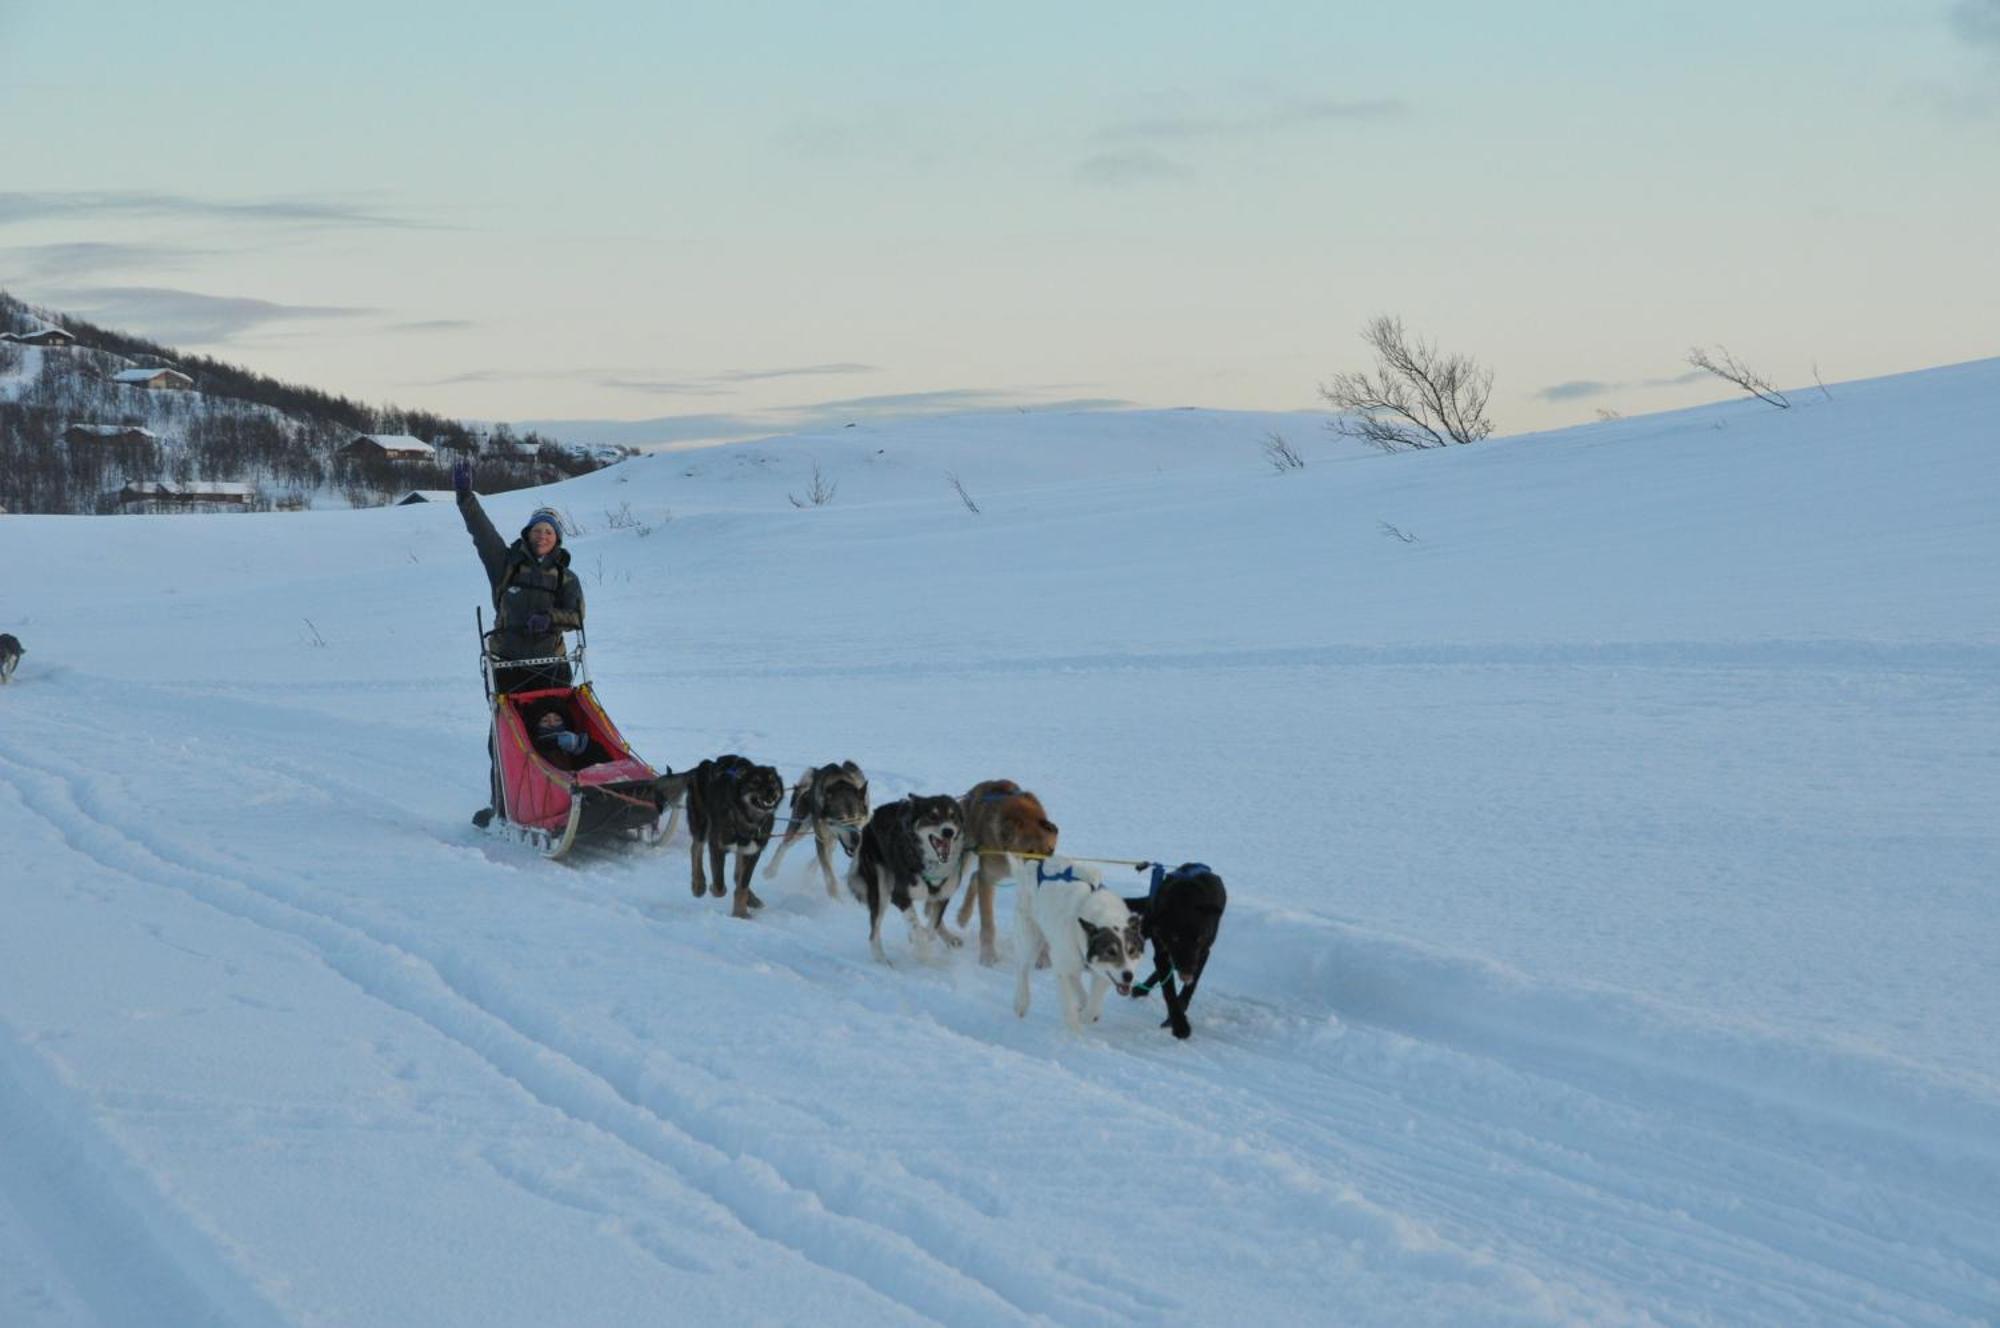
[{"x": 523, "y": 586}]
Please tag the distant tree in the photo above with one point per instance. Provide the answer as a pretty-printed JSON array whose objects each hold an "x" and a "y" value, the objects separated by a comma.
[
  {"x": 1417, "y": 397},
  {"x": 819, "y": 493},
  {"x": 1732, "y": 370},
  {"x": 1280, "y": 454}
]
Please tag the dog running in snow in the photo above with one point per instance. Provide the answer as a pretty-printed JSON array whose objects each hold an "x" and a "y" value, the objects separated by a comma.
[
  {"x": 10, "y": 656},
  {"x": 732, "y": 803},
  {"x": 909, "y": 858},
  {"x": 832, "y": 802},
  {"x": 1180, "y": 916},
  {"x": 1000, "y": 817},
  {"x": 1086, "y": 927}
]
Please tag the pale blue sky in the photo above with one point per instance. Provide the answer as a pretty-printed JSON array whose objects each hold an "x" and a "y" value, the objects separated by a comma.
[{"x": 620, "y": 211}]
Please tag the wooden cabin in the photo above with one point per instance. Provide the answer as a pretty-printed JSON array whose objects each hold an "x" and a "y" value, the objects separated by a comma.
[
  {"x": 156, "y": 497},
  {"x": 388, "y": 447},
  {"x": 156, "y": 380},
  {"x": 108, "y": 435},
  {"x": 42, "y": 336}
]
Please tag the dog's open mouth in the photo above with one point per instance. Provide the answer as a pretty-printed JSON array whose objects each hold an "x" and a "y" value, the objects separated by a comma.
[
  {"x": 940, "y": 847},
  {"x": 1124, "y": 986}
]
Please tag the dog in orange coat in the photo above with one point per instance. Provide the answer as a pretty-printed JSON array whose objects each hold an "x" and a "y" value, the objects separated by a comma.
[{"x": 1000, "y": 818}]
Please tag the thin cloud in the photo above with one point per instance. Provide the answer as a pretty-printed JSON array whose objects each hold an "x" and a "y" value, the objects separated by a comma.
[
  {"x": 1282, "y": 116},
  {"x": 803, "y": 371},
  {"x": 1131, "y": 167},
  {"x": 65, "y": 205},
  {"x": 1582, "y": 389},
  {"x": 433, "y": 325},
  {"x": 84, "y": 259},
  {"x": 662, "y": 387},
  {"x": 179, "y": 317},
  {"x": 624, "y": 380}
]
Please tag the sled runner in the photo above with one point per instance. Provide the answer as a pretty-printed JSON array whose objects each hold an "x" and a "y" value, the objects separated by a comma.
[{"x": 549, "y": 799}]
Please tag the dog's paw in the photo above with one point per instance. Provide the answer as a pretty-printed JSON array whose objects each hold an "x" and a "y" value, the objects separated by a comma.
[
  {"x": 716, "y": 890},
  {"x": 755, "y": 902},
  {"x": 1181, "y": 1027},
  {"x": 951, "y": 938}
]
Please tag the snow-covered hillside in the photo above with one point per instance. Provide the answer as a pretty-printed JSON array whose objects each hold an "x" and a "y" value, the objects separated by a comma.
[{"x": 1607, "y": 815}]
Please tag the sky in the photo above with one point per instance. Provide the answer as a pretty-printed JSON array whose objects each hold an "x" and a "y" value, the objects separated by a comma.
[{"x": 764, "y": 216}]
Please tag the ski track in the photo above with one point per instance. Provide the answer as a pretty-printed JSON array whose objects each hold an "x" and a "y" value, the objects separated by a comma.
[
  {"x": 126, "y": 1252},
  {"x": 602, "y": 1100},
  {"x": 1409, "y": 1113}
]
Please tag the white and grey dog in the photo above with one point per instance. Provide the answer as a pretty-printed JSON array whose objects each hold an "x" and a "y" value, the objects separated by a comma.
[
  {"x": 10, "y": 656},
  {"x": 1086, "y": 927}
]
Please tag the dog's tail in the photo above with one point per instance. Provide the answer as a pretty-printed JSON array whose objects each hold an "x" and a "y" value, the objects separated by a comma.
[{"x": 671, "y": 792}]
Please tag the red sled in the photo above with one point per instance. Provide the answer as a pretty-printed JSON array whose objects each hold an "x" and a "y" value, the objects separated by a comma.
[{"x": 550, "y": 800}]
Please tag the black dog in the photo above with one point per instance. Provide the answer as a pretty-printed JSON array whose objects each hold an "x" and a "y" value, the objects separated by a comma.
[
  {"x": 1180, "y": 916},
  {"x": 10, "y": 656},
  {"x": 731, "y": 804},
  {"x": 909, "y": 856}
]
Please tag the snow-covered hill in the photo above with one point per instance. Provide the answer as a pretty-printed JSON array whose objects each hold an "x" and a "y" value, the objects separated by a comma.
[
  {"x": 75, "y": 431},
  {"x": 1607, "y": 816}
]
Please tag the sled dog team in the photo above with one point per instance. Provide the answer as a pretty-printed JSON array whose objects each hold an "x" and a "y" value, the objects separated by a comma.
[{"x": 913, "y": 854}]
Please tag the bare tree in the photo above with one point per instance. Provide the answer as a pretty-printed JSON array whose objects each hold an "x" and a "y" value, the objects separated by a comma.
[
  {"x": 1281, "y": 455},
  {"x": 1732, "y": 370},
  {"x": 963, "y": 496},
  {"x": 819, "y": 494},
  {"x": 1418, "y": 396}
]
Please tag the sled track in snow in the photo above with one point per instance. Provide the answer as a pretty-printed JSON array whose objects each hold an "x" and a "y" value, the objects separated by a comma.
[
  {"x": 1412, "y": 1118},
  {"x": 623, "y": 1102},
  {"x": 123, "y": 1248},
  {"x": 1415, "y": 1118}
]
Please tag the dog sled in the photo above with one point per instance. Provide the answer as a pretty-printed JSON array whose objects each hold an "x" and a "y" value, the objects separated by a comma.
[{"x": 545, "y": 798}]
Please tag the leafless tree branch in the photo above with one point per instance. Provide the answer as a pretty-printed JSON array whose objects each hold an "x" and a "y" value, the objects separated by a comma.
[
  {"x": 1732, "y": 370},
  {"x": 1417, "y": 397}
]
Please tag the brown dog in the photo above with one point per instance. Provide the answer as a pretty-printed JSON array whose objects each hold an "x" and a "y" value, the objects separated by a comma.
[{"x": 1000, "y": 818}]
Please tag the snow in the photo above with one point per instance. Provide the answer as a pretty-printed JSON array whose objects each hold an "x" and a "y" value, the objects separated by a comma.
[
  {"x": 28, "y": 368},
  {"x": 1611, "y": 858}
]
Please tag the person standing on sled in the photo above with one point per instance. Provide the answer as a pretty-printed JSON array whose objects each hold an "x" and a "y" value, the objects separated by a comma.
[{"x": 536, "y": 598}]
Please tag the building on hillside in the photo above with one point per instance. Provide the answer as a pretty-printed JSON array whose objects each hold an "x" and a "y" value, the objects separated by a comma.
[
  {"x": 388, "y": 447},
  {"x": 41, "y": 336},
  {"x": 108, "y": 434},
  {"x": 157, "y": 497},
  {"x": 512, "y": 449},
  {"x": 158, "y": 380},
  {"x": 426, "y": 496}
]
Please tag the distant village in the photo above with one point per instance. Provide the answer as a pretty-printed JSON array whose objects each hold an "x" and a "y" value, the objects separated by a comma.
[{"x": 368, "y": 468}]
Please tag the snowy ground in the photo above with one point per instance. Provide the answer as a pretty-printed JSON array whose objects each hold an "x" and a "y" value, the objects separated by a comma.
[{"x": 1612, "y": 863}]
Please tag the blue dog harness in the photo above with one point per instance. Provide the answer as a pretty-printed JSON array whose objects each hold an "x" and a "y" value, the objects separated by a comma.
[{"x": 1160, "y": 877}]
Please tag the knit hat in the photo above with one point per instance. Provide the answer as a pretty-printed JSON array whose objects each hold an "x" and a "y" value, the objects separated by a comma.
[{"x": 547, "y": 516}]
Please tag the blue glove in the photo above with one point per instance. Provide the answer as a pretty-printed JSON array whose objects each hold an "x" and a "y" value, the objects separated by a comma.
[
  {"x": 461, "y": 478},
  {"x": 538, "y": 623}
]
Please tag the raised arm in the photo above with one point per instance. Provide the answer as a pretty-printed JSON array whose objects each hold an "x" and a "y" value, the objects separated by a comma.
[{"x": 492, "y": 549}]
